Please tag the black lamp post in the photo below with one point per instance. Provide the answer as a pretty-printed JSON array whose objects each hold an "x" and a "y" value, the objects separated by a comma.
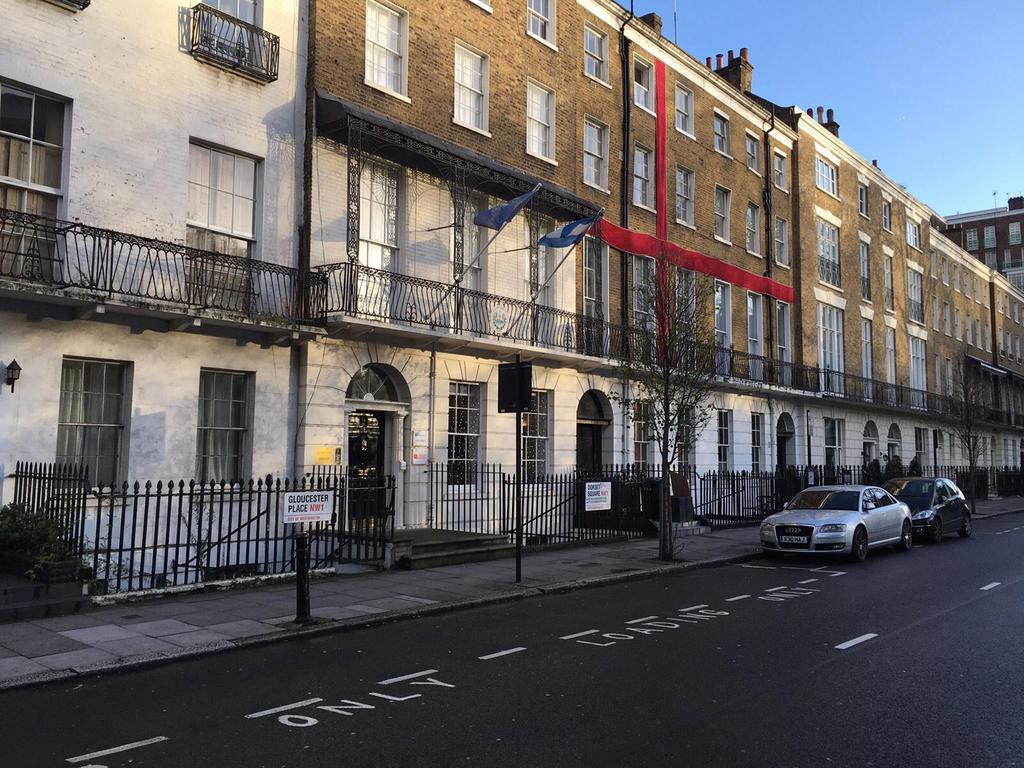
[{"x": 13, "y": 373}]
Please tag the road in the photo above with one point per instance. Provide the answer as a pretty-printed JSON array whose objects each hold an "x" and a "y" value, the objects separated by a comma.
[{"x": 910, "y": 659}]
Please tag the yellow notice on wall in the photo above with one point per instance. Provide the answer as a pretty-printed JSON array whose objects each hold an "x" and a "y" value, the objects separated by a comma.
[{"x": 326, "y": 455}]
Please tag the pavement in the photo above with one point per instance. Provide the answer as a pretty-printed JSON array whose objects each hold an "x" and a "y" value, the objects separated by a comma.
[{"x": 157, "y": 630}]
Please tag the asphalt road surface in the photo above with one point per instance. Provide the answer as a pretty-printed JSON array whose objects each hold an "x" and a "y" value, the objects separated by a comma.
[{"x": 911, "y": 659}]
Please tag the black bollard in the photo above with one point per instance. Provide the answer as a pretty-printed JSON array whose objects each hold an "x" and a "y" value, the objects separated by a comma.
[{"x": 302, "y": 578}]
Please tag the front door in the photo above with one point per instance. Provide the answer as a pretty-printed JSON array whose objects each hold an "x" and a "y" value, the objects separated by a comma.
[
  {"x": 366, "y": 444},
  {"x": 588, "y": 448}
]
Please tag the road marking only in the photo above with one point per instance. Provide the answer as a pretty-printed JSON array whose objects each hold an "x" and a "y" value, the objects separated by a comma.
[
  {"x": 641, "y": 621},
  {"x": 490, "y": 656},
  {"x": 115, "y": 750},
  {"x": 283, "y": 708},
  {"x": 734, "y": 599},
  {"x": 580, "y": 634},
  {"x": 993, "y": 585},
  {"x": 856, "y": 641},
  {"x": 403, "y": 678}
]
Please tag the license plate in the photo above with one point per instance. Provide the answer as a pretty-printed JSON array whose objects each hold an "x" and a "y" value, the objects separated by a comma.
[{"x": 793, "y": 539}]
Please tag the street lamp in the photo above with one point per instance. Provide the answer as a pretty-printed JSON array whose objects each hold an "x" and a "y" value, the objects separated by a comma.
[{"x": 13, "y": 373}]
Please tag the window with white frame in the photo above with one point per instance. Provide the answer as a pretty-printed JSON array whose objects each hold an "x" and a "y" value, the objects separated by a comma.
[
  {"x": 755, "y": 334},
  {"x": 956, "y": 278},
  {"x": 1014, "y": 233},
  {"x": 946, "y": 322},
  {"x": 915, "y": 304},
  {"x": 945, "y": 271},
  {"x": 887, "y": 215},
  {"x": 471, "y": 81},
  {"x": 830, "y": 347},
  {"x": 723, "y": 198},
  {"x": 540, "y": 19},
  {"x": 643, "y": 447},
  {"x": 972, "y": 239},
  {"x": 834, "y": 429},
  {"x": 753, "y": 148},
  {"x": 723, "y": 315},
  {"x": 889, "y": 296},
  {"x": 990, "y": 236},
  {"x": 684, "y": 109},
  {"x": 921, "y": 445},
  {"x": 643, "y": 290},
  {"x": 782, "y": 330},
  {"x": 595, "y": 153},
  {"x": 464, "y": 430},
  {"x": 862, "y": 199},
  {"x": 890, "y": 355},
  {"x": 828, "y": 252},
  {"x": 753, "y": 228},
  {"x": 536, "y": 433},
  {"x": 540, "y": 121},
  {"x": 595, "y": 53},
  {"x": 684, "y": 196},
  {"x": 643, "y": 177},
  {"x": 935, "y": 313},
  {"x": 826, "y": 176},
  {"x": 94, "y": 398},
  {"x": 385, "y": 46},
  {"x": 932, "y": 265},
  {"x": 221, "y": 201},
  {"x": 918, "y": 370},
  {"x": 779, "y": 171},
  {"x": 222, "y": 443},
  {"x": 724, "y": 440},
  {"x": 949, "y": 377},
  {"x": 865, "y": 271},
  {"x": 720, "y": 126},
  {"x": 31, "y": 152},
  {"x": 756, "y": 441},
  {"x": 474, "y": 239},
  {"x": 866, "y": 350},
  {"x": 781, "y": 241},
  {"x": 913, "y": 234},
  {"x": 643, "y": 84},
  {"x": 244, "y": 10},
  {"x": 957, "y": 325},
  {"x": 595, "y": 256},
  {"x": 378, "y": 216}
]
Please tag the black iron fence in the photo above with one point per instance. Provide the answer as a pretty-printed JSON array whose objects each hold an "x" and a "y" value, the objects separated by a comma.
[
  {"x": 554, "y": 507},
  {"x": 223, "y": 39},
  {"x": 142, "y": 536},
  {"x": 62, "y": 254}
]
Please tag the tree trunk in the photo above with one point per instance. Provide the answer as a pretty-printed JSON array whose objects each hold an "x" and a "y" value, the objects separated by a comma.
[{"x": 665, "y": 529}]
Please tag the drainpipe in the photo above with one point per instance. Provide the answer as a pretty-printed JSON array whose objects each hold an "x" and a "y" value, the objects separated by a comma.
[
  {"x": 430, "y": 434},
  {"x": 769, "y": 230},
  {"x": 624, "y": 187}
]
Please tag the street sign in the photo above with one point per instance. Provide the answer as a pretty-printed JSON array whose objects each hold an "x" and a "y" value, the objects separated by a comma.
[
  {"x": 515, "y": 387},
  {"x": 308, "y": 507},
  {"x": 597, "y": 497}
]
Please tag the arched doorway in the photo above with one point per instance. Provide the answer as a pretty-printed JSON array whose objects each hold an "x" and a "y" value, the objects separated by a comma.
[
  {"x": 894, "y": 446},
  {"x": 869, "y": 445},
  {"x": 785, "y": 442},
  {"x": 376, "y": 394},
  {"x": 593, "y": 418}
]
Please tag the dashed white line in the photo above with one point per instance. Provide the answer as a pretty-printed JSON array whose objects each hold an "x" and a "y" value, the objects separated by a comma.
[
  {"x": 856, "y": 641},
  {"x": 506, "y": 652},
  {"x": 760, "y": 567},
  {"x": 693, "y": 607},
  {"x": 734, "y": 599},
  {"x": 412, "y": 676},
  {"x": 579, "y": 634},
  {"x": 115, "y": 750},
  {"x": 283, "y": 708},
  {"x": 993, "y": 585},
  {"x": 776, "y": 589},
  {"x": 641, "y": 621},
  {"x": 807, "y": 581}
]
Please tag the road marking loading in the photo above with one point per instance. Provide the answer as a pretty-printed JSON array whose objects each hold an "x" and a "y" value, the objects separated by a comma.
[
  {"x": 490, "y": 656},
  {"x": 693, "y": 607},
  {"x": 856, "y": 641},
  {"x": 641, "y": 621},
  {"x": 776, "y": 589},
  {"x": 760, "y": 567},
  {"x": 807, "y": 581},
  {"x": 993, "y": 585},
  {"x": 283, "y": 708},
  {"x": 579, "y": 634},
  {"x": 403, "y": 678},
  {"x": 734, "y": 599},
  {"x": 115, "y": 750}
]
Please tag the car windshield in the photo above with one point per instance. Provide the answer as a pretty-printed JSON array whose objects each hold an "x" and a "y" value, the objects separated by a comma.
[
  {"x": 910, "y": 487},
  {"x": 825, "y": 499}
]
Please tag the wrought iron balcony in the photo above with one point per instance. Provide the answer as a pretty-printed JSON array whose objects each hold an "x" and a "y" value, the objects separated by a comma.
[
  {"x": 829, "y": 271},
  {"x": 68, "y": 255},
  {"x": 74, "y": 5},
  {"x": 226, "y": 41}
]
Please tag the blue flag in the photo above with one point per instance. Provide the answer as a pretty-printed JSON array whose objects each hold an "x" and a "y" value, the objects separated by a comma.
[
  {"x": 500, "y": 215},
  {"x": 570, "y": 234}
]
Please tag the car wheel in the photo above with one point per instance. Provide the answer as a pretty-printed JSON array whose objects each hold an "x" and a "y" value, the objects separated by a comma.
[
  {"x": 859, "y": 550},
  {"x": 906, "y": 538},
  {"x": 937, "y": 530},
  {"x": 967, "y": 528}
]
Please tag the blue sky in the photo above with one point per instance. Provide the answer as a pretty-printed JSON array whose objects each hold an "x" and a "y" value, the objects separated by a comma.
[{"x": 932, "y": 89}]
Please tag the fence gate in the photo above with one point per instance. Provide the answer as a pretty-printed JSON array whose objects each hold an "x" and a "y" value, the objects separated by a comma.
[{"x": 58, "y": 492}]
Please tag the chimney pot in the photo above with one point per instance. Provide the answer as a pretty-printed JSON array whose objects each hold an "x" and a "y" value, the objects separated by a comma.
[
  {"x": 831, "y": 115},
  {"x": 874, "y": 163},
  {"x": 731, "y": 55},
  {"x": 708, "y": 62},
  {"x": 1015, "y": 203},
  {"x": 744, "y": 54},
  {"x": 810, "y": 111},
  {"x": 821, "y": 112},
  {"x": 718, "y": 61}
]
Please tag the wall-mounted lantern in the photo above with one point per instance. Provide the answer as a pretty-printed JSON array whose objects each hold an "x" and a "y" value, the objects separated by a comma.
[{"x": 13, "y": 373}]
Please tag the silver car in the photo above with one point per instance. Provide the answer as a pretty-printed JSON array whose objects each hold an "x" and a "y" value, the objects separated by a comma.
[{"x": 838, "y": 519}]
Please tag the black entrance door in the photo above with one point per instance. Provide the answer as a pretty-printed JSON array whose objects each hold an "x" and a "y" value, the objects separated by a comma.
[
  {"x": 366, "y": 444},
  {"x": 588, "y": 448}
]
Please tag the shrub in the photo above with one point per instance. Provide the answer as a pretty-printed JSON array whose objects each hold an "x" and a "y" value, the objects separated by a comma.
[
  {"x": 894, "y": 468},
  {"x": 27, "y": 540},
  {"x": 915, "y": 467}
]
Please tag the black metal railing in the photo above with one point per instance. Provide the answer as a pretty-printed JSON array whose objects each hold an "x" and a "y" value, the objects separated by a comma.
[
  {"x": 915, "y": 310},
  {"x": 865, "y": 287},
  {"x": 64, "y": 254},
  {"x": 76, "y": 5},
  {"x": 141, "y": 536},
  {"x": 229, "y": 42},
  {"x": 829, "y": 272}
]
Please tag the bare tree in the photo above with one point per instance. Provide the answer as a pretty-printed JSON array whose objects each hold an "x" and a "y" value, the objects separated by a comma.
[
  {"x": 668, "y": 358},
  {"x": 967, "y": 407}
]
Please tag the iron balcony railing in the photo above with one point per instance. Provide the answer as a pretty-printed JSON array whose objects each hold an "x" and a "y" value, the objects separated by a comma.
[
  {"x": 865, "y": 287},
  {"x": 62, "y": 254},
  {"x": 915, "y": 310},
  {"x": 222, "y": 39},
  {"x": 75, "y": 5},
  {"x": 829, "y": 272}
]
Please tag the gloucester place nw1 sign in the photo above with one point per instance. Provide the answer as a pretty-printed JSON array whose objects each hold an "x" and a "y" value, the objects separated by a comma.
[{"x": 308, "y": 506}]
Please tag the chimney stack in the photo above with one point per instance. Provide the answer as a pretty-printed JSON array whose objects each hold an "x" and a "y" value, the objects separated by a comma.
[
  {"x": 653, "y": 21},
  {"x": 718, "y": 61},
  {"x": 739, "y": 71},
  {"x": 1015, "y": 203},
  {"x": 830, "y": 123}
]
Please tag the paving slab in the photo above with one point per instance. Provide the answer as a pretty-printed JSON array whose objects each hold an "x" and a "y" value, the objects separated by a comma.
[
  {"x": 73, "y": 659},
  {"x": 243, "y": 628},
  {"x": 18, "y": 666},
  {"x": 199, "y": 638},
  {"x": 100, "y": 634},
  {"x": 43, "y": 645},
  {"x": 72, "y": 621},
  {"x": 137, "y": 646},
  {"x": 161, "y": 627}
]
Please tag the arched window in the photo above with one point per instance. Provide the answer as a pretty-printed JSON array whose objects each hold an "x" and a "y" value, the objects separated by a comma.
[{"x": 371, "y": 383}]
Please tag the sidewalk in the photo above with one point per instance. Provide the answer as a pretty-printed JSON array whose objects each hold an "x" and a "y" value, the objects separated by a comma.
[
  {"x": 150, "y": 631},
  {"x": 1001, "y": 506}
]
